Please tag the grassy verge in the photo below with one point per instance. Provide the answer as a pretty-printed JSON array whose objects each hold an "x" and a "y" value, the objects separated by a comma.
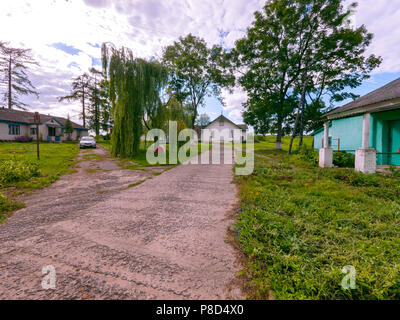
[
  {"x": 55, "y": 160},
  {"x": 300, "y": 225}
]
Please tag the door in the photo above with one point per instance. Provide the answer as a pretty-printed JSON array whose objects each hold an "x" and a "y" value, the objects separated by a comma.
[{"x": 394, "y": 142}]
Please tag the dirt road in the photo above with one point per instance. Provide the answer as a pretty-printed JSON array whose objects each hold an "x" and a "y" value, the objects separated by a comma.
[{"x": 162, "y": 239}]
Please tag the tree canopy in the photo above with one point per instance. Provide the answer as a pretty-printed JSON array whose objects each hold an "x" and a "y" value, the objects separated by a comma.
[
  {"x": 197, "y": 71},
  {"x": 297, "y": 42},
  {"x": 133, "y": 84},
  {"x": 14, "y": 79},
  {"x": 79, "y": 92}
]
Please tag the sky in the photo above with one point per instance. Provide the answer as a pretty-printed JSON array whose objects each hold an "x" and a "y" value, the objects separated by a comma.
[{"x": 65, "y": 37}]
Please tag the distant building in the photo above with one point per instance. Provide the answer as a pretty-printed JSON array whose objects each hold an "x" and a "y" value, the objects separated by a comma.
[
  {"x": 222, "y": 129},
  {"x": 368, "y": 127},
  {"x": 15, "y": 123}
]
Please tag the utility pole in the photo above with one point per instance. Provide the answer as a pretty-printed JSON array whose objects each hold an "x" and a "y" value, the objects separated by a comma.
[{"x": 37, "y": 122}]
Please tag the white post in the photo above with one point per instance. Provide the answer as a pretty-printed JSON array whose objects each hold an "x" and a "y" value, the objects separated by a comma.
[
  {"x": 365, "y": 133},
  {"x": 366, "y": 156},
  {"x": 326, "y": 135},
  {"x": 326, "y": 153}
]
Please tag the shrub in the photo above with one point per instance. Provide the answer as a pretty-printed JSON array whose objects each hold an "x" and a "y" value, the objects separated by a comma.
[
  {"x": 356, "y": 179},
  {"x": 14, "y": 170},
  {"x": 308, "y": 154},
  {"x": 343, "y": 159},
  {"x": 23, "y": 139},
  {"x": 7, "y": 205},
  {"x": 260, "y": 137}
]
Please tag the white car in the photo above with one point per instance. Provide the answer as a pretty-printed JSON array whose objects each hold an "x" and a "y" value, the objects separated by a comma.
[{"x": 87, "y": 142}]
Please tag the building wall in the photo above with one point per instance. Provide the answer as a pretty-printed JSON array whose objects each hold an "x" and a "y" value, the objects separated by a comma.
[
  {"x": 43, "y": 133},
  {"x": 384, "y": 135},
  {"x": 227, "y": 126},
  {"x": 348, "y": 130},
  {"x": 4, "y": 131}
]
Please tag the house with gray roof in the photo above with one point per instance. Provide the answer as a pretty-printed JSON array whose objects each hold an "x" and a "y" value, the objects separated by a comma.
[
  {"x": 222, "y": 129},
  {"x": 368, "y": 127},
  {"x": 15, "y": 123}
]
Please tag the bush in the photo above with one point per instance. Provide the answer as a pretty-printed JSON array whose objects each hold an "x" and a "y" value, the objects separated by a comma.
[
  {"x": 23, "y": 139},
  {"x": 17, "y": 170},
  {"x": 7, "y": 205},
  {"x": 308, "y": 154},
  {"x": 260, "y": 137},
  {"x": 107, "y": 137},
  {"x": 356, "y": 179},
  {"x": 343, "y": 159}
]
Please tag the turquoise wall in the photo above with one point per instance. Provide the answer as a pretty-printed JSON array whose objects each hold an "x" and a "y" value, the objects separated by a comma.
[
  {"x": 384, "y": 137},
  {"x": 348, "y": 130}
]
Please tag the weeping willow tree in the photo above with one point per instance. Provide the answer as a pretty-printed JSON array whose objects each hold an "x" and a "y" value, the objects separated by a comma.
[{"x": 134, "y": 86}]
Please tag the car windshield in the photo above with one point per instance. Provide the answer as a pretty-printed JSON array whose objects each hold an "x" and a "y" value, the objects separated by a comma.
[{"x": 87, "y": 139}]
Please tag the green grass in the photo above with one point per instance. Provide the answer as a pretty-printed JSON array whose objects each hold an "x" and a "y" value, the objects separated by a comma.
[
  {"x": 300, "y": 225},
  {"x": 55, "y": 160},
  {"x": 269, "y": 142}
]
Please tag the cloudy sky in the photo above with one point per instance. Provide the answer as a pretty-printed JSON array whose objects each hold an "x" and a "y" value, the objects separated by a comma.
[{"x": 65, "y": 36}]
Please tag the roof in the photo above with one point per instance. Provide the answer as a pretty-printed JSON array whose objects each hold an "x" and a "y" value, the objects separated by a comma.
[
  {"x": 240, "y": 126},
  {"x": 377, "y": 100},
  {"x": 317, "y": 131},
  {"x": 27, "y": 117}
]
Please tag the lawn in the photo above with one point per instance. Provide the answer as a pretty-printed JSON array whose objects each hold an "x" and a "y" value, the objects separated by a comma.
[
  {"x": 299, "y": 225},
  {"x": 20, "y": 171},
  {"x": 268, "y": 142}
]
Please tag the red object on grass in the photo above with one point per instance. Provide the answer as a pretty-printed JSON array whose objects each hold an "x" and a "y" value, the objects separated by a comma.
[{"x": 160, "y": 150}]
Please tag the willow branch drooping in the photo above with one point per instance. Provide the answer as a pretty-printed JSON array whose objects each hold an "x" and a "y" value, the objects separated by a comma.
[{"x": 134, "y": 83}]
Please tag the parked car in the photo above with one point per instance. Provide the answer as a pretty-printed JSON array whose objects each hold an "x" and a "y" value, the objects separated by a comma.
[{"x": 87, "y": 142}]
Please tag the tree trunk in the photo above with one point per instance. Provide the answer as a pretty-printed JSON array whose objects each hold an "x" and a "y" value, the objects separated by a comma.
[
  {"x": 301, "y": 124},
  {"x": 294, "y": 132},
  {"x": 194, "y": 116},
  {"x": 279, "y": 134},
  {"x": 300, "y": 109},
  {"x": 83, "y": 108},
  {"x": 9, "y": 85}
]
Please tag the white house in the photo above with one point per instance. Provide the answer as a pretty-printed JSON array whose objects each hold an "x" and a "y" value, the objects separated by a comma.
[
  {"x": 223, "y": 129},
  {"x": 15, "y": 123}
]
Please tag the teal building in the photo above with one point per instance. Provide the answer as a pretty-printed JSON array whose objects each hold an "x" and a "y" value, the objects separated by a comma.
[{"x": 374, "y": 117}]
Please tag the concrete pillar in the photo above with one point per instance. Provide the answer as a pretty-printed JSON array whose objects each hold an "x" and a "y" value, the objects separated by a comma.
[
  {"x": 326, "y": 135},
  {"x": 326, "y": 153},
  {"x": 366, "y": 156},
  {"x": 366, "y": 129}
]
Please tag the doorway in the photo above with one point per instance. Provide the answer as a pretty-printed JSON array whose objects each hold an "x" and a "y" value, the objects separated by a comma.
[{"x": 394, "y": 142}]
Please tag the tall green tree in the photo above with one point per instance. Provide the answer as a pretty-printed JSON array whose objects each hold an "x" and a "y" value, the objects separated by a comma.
[
  {"x": 14, "y": 79},
  {"x": 197, "y": 71},
  {"x": 302, "y": 44},
  {"x": 68, "y": 128},
  {"x": 79, "y": 92},
  {"x": 204, "y": 120},
  {"x": 94, "y": 110},
  {"x": 133, "y": 84}
]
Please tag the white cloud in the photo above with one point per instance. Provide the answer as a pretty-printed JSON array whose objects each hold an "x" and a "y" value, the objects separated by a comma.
[{"x": 146, "y": 26}]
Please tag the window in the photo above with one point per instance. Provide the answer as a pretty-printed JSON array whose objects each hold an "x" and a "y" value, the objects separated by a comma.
[
  {"x": 13, "y": 130},
  {"x": 33, "y": 131},
  {"x": 221, "y": 122}
]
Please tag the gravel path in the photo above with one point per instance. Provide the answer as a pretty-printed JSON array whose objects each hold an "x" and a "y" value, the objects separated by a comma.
[{"x": 162, "y": 239}]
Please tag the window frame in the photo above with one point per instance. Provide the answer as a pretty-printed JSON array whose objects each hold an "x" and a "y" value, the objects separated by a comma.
[{"x": 14, "y": 129}]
